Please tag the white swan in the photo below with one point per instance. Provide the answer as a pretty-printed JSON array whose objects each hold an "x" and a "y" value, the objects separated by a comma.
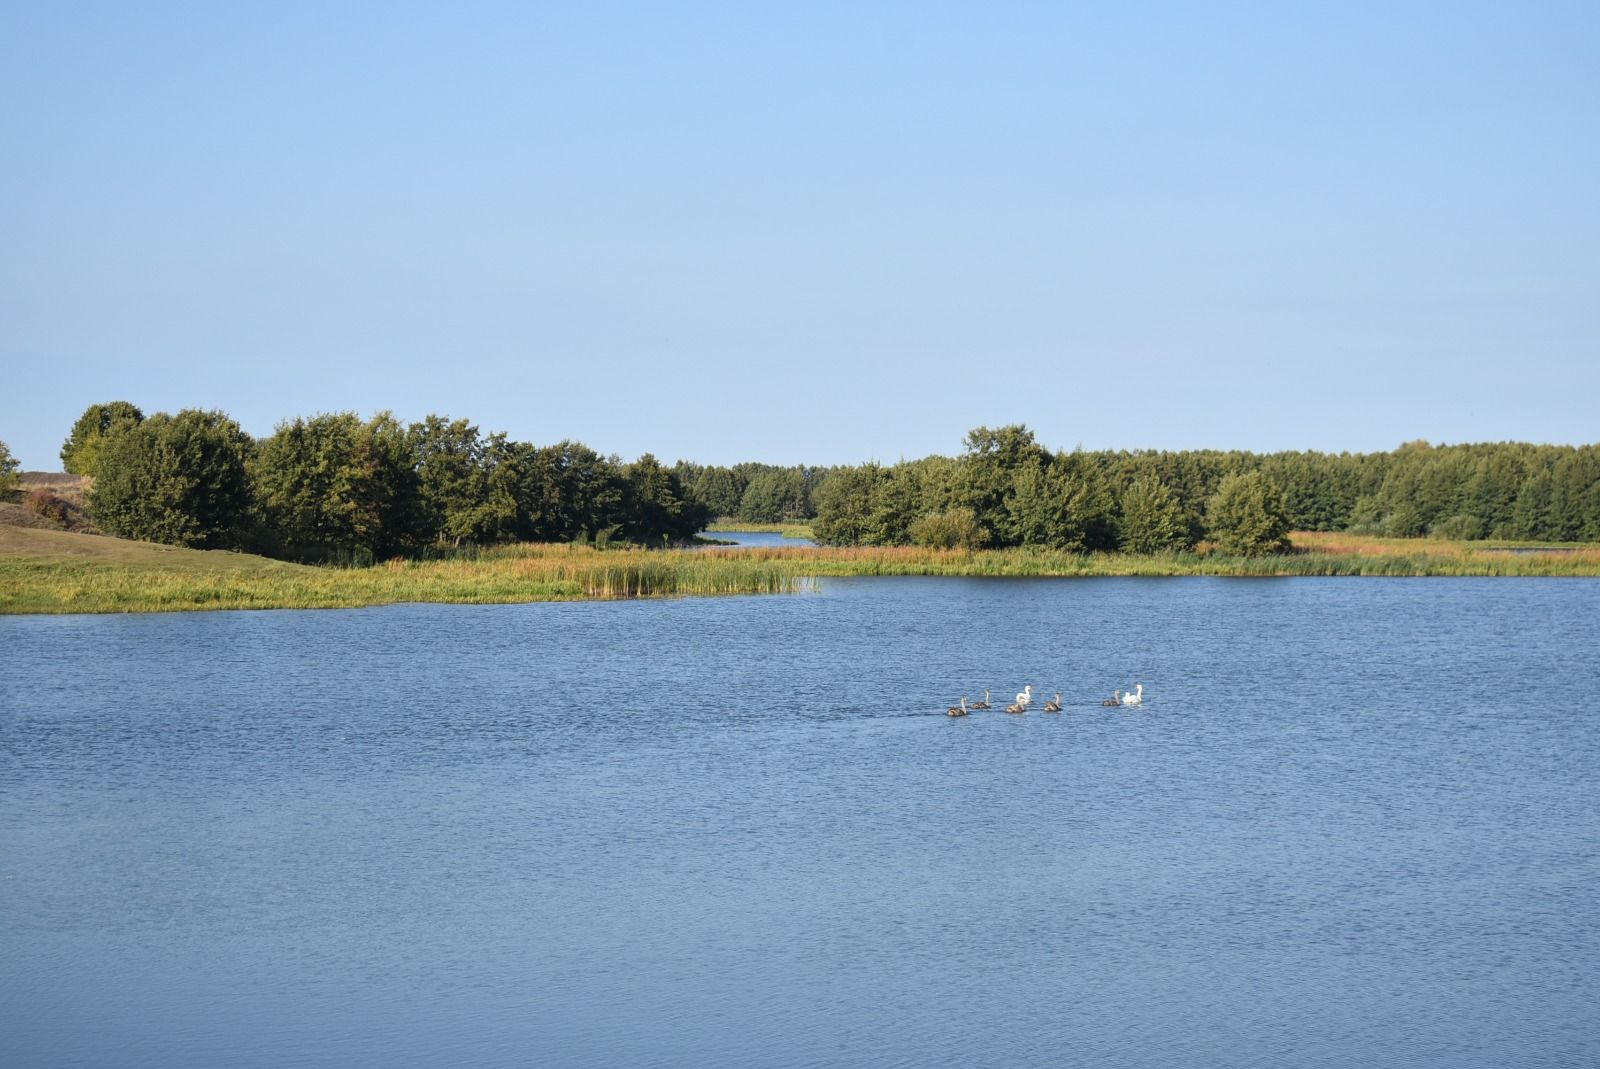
[
  {"x": 1025, "y": 699},
  {"x": 1137, "y": 697}
]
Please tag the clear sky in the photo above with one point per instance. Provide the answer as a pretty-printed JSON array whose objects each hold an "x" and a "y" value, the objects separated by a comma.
[{"x": 818, "y": 233}]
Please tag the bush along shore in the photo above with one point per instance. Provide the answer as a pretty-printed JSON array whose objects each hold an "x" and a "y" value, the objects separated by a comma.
[{"x": 58, "y": 572}]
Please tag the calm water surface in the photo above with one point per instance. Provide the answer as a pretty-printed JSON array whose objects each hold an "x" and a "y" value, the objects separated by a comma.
[
  {"x": 1356, "y": 824},
  {"x": 747, "y": 539}
]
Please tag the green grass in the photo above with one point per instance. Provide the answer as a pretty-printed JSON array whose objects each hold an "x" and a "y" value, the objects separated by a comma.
[
  {"x": 57, "y": 572},
  {"x": 787, "y": 529}
]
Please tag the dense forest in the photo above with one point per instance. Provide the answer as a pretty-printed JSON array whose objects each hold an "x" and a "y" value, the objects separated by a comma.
[
  {"x": 337, "y": 487},
  {"x": 1006, "y": 490}
]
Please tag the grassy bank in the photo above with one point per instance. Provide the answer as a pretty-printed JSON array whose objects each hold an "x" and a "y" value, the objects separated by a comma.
[
  {"x": 787, "y": 530},
  {"x": 54, "y": 571},
  {"x": 1314, "y": 555}
]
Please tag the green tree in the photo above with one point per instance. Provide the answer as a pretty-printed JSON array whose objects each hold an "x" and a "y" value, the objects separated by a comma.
[
  {"x": 80, "y": 453},
  {"x": 450, "y": 459},
  {"x": 183, "y": 480},
  {"x": 1247, "y": 515},
  {"x": 775, "y": 496},
  {"x": 333, "y": 485},
  {"x": 1530, "y": 514},
  {"x": 1575, "y": 496},
  {"x": 989, "y": 470},
  {"x": 658, "y": 508},
  {"x": 568, "y": 491},
  {"x": 720, "y": 490},
  {"x": 1152, "y": 519},
  {"x": 1062, "y": 505},
  {"x": 846, "y": 506},
  {"x": 8, "y": 470}
]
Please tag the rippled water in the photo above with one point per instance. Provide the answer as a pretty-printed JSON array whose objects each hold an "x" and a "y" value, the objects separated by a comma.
[{"x": 1355, "y": 824}]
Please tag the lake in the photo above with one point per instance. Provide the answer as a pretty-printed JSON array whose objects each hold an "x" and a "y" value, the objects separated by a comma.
[{"x": 1356, "y": 823}]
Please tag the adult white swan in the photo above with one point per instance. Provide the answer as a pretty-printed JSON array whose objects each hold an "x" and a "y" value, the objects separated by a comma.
[
  {"x": 1137, "y": 697},
  {"x": 1025, "y": 699}
]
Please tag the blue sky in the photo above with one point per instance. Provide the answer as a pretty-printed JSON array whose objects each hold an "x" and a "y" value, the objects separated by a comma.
[{"x": 818, "y": 234}]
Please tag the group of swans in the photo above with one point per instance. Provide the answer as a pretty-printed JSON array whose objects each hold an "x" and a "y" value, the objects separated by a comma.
[{"x": 1052, "y": 705}]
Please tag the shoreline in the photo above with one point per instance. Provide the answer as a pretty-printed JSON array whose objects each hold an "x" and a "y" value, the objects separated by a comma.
[{"x": 55, "y": 572}]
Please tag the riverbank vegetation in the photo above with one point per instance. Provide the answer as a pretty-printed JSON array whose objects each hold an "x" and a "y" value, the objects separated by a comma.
[
  {"x": 60, "y": 572},
  {"x": 1006, "y": 489},
  {"x": 335, "y": 488},
  {"x": 794, "y": 529}
]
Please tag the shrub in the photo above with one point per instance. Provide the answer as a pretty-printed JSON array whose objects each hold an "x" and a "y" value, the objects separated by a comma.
[
  {"x": 1459, "y": 528},
  {"x": 954, "y": 528},
  {"x": 45, "y": 503}
]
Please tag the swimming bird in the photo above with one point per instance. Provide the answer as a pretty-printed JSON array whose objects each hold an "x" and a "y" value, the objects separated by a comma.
[
  {"x": 1025, "y": 699},
  {"x": 1017, "y": 707},
  {"x": 1115, "y": 699},
  {"x": 958, "y": 710},
  {"x": 1136, "y": 698},
  {"x": 1053, "y": 705},
  {"x": 983, "y": 704}
]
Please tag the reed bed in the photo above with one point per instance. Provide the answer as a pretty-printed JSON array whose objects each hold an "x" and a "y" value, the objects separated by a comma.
[{"x": 56, "y": 572}]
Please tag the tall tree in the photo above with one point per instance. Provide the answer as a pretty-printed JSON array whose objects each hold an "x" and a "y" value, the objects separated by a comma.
[
  {"x": 989, "y": 470},
  {"x": 449, "y": 458}
]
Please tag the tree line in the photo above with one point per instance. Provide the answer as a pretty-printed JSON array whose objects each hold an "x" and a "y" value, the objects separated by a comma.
[
  {"x": 337, "y": 487},
  {"x": 340, "y": 488},
  {"x": 1007, "y": 490}
]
